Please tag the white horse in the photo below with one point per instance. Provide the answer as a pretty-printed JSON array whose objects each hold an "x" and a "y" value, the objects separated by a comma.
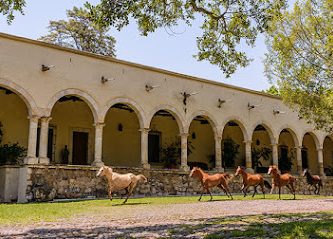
[{"x": 118, "y": 182}]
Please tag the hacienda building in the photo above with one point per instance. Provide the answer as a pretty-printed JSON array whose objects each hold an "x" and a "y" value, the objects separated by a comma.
[{"x": 75, "y": 111}]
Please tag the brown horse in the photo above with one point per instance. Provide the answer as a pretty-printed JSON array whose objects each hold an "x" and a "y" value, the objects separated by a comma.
[
  {"x": 118, "y": 182},
  {"x": 313, "y": 180},
  {"x": 252, "y": 180},
  {"x": 208, "y": 181},
  {"x": 285, "y": 179}
]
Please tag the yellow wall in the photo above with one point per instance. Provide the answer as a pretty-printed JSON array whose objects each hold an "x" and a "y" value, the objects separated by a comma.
[
  {"x": 121, "y": 148},
  {"x": 236, "y": 134},
  {"x": 72, "y": 116},
  {"x": 204, "y": 143},
  {"x": 328, "y": 152},
  {"x": 309, "y": 143},
  {"x": 14, "y": 118}
]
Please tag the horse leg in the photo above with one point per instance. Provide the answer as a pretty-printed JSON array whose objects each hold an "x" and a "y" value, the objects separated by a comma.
[
  {"x": 202, "y": 192},
  {"x": 315, "y": 191},
  {"x": 262, "y": 185},
  {"x": 129, "y": 190},
  {"x": 225, "y": 186},
  {"x": 220, "y": 186},
  {"x": 272, "y": 189},
  {"x": 279, "y": 192},
  {"x": 110, "y": 194},
  {"x": 255, "y": 190}
]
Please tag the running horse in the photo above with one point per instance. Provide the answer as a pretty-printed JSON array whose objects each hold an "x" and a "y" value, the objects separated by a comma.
[
  {"x": 285, "y": 179},
  {"x": 208, "y": 181},
  {"x": 313, "y": 180},
  {"x": 252, "y": 180},
  {"x": 117, "y": 181}
]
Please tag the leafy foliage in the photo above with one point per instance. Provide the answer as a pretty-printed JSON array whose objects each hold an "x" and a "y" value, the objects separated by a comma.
[
  {"x": 79, "y": 32},
  {"x": 8, "y": 7},
  {"x": 258, "y": 153},
  {"x": 225, "y": 24},
  {"x": 171, "y": 153},
  {"x": 273, "y": 90},
  {"x": 10, "y": 153},
  {"x": 300, "y": 54}
]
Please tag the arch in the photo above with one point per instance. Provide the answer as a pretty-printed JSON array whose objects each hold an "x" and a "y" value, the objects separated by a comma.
[
  {"x": 127, "y": 101},
  {"x": 268, "y": 129},
  {"x": 91, "y": 102},
  {"x": 23, "y": 94},
  {"x": 292, "y": 132},
  {"x": 208, "y": 117},
  {"x": 314, "y": 137},
  {"x": 172, "y": 110},
  {"x": 240, "y": 124}
]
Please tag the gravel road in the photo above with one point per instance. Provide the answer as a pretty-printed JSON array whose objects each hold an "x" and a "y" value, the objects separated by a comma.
[{"x": 194, "y": 220}]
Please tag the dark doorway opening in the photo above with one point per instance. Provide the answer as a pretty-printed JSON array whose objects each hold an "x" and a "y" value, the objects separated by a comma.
[
  {"x": 154, "y": 143},
  {"x": 305, "y": 163},
  {"x": 80, "y": 148}
]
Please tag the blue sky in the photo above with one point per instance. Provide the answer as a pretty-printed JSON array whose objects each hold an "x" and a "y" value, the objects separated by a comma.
[{"x": 162, "y": 50}]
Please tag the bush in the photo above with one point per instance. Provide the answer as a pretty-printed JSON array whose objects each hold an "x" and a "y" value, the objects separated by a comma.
[{"x": 10, "y": 153}]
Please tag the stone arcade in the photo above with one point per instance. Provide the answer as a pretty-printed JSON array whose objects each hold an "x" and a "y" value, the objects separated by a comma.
[{"x": 113, "y": 112}]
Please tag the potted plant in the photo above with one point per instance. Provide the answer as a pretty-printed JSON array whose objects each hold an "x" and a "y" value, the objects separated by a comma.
[
  {"x": 230, "y": 152},
  {"x": 258, "y": 154}
]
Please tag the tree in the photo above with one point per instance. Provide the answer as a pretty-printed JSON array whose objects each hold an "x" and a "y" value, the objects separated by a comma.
[
  {"x": 8, "y": 7},
  {"x": 273, "y": 90},
  {"x": 79, "y": 32},
  {"x": 225, "y": 23},
  {"x": 300, "y": 59}
]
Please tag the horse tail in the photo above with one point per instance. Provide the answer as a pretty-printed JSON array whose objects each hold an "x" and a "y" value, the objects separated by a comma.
[
  {"x": 142, "y": 178},
  {"x": 227, "y": 176},
  {"x": 267, "y": 184}
]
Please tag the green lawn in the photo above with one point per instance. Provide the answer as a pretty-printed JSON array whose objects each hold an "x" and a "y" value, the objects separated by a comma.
[
  {"x": 287, "y": 226},
  {"x": 37, "y": 212}
]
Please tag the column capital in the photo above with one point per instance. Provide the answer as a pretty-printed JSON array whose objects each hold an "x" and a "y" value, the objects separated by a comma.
[
  {"x": 247, "y": 141},
  {"x": 274, "y": 144},
  {"x": 218, "y": 138},
  {"x": 184, "y": 135},
  {"x": 320, "y": 149},
  {"x": 145, "y": 130},
  {"x": 45, "y": 119},
  {"x": 33, "y": 118},
  {"x": 99, "y": 124}
]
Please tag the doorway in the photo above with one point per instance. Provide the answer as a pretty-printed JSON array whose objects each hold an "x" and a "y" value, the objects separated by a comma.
[
  {"x": 154, "y": 143},
  {"x": 80, "y": 148}
]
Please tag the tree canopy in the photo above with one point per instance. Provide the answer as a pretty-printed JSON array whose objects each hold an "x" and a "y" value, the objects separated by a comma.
[
  {"x": 79, "y": 32},
  {"x": 300, "y": 59},
  {"x": 8, "y": 7},
  {"x": 225, "y": 23}
]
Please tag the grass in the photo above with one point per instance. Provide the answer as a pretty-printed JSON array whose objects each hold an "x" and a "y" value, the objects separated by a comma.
[
  {"x": 40, "y": 212},
  {"x": 284, "y": 226}
]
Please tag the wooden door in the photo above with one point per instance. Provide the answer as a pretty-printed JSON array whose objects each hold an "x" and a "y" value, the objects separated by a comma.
[{"x": 80, "y": 148}]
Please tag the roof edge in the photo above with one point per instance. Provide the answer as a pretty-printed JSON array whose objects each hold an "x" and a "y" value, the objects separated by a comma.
[{"x": 136, "y": 65}]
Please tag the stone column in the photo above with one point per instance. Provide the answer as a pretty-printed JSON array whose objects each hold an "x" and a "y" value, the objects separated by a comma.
[
  {"x": 299, "y": 159},
  {"x": 144, "y": 148},
  {"x": 43, "y": 139},
  {"x": 321, "y": 161},
  {"x": 32, "y": 141},
  {"x": 183, "y": 144},
  {"x": 275, "y": 154},
  {"x": 248, "y": 156},
  {"x": 98, "y": 144},
  {"x": 218, "y": 154}
]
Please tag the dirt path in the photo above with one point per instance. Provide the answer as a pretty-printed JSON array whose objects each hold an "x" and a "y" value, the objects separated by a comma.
[{"x": 193, "y": 220}]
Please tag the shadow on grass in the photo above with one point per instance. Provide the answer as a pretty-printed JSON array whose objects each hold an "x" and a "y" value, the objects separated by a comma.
[{"x": 293, "y": 226}]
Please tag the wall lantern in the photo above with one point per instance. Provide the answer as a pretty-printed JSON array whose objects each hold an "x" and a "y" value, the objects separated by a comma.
[
  {"x": 251, "y": 106},
  {"x": 105, "y": 79},
  {"x": 46, "y": 68},
  {"x": 187, "y": 95},
  {"x": 275, "y": 112},
  {"x": 149, "y": 87}
]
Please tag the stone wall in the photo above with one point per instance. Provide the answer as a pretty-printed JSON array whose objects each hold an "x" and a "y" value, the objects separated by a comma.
[
  {"x": 60, "y": 182},
  {"x": 8, "y": 183}
]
